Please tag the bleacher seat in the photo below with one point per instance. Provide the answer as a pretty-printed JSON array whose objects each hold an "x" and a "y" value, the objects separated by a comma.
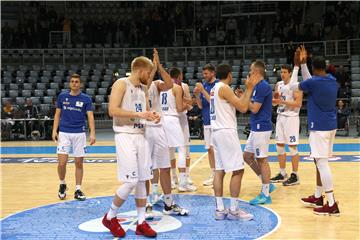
[
  {"x": 38, "y": 92},
  {"x": 51, "y": 92},
  {"x": 26, "y": 93},
  {"x": 90, "y": 91},
  {"x": 55, "y": 85},
  {"x": 99, "y": 99},
  {"x": 13, "y": 93},
  {"x": 20, "y": 101},
  {"x": 48, "y": 99},
  {"x": 35, "y": 100}
]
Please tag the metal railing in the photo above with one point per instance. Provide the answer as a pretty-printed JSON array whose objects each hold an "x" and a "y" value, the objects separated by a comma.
[{"x": 104, "y": 56}]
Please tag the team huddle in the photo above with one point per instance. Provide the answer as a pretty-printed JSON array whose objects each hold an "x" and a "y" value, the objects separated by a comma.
[{"x": 150, "y": 122}]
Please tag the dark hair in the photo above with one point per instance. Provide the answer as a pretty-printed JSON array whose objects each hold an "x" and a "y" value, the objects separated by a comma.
[
  {"x": 174, "y": 72},
  {"x": 222, "y": 71},
  {"x": 260, "y": 65},
  {"x": 319, "y": 63},
  {"x": 75, "y": 76},
  {"x": 287, "y": 67},
  {"x": 209, "y": 67}
]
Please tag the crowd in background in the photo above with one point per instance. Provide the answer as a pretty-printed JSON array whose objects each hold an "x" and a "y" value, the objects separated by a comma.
[{"x": 154, "y": 24}]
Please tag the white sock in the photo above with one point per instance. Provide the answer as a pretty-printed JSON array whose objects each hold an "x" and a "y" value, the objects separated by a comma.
[
  {"x": 112, "y": 211},
  {"x": 318, "y": 191},
  {"x": 77, "y": 187},
  {"x": 295, "y": 173},
  {"x": 283, "y": 171},
  {"x": 212, "y": 172},
  {"x": 141, "y": 214},
  {"x": 219, "y": 204},
  {"x": 173, "y": 172},
  {"x": 154, "y": 188},
  {"x": 148, "y": 199},
  {"x": 183, "y": 179},
  {"x": 330, "y": 197},
  {"x": 265, "y": 189},
  {"x": 187, "y": 170},
  {"x": 168, "y": 199},
  {"x": 233, "y": 204},
  {"x": 62, "y": 181},
  {"x": 260, "y": 177}
]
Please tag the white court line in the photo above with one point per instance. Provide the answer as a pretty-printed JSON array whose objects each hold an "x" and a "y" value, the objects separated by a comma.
[{"x": 198, "y": 160}]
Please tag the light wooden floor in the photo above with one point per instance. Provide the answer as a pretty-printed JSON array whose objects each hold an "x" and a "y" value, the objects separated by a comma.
[{"x": 25, "y": 186}]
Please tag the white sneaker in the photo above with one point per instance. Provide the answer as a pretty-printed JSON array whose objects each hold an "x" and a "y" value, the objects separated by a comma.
[
  {"x": 155, "y": 198},
  {"x": 209, "y": 182},
  {"x": 239, "y": 215},
  {"x": 221, "y": 215},
  {"x": 187, "y": 188}
]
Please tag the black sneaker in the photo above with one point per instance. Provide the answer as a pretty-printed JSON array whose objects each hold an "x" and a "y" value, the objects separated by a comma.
[
  {"x": 278, "y": 178},
  {"x": 175, "y": 209},
  {"x": 79, "y": 195},
  {"x": 292, "y": 180},
  {"x": 62, "y": 191}
]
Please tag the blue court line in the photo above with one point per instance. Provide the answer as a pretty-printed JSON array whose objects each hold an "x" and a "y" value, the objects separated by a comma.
[{"x": 338, "y": 147}]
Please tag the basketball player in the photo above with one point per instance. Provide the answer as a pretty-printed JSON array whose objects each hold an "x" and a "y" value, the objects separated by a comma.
[
  {"x": 257, "y": 145},
  {"x": 225, "y": 140},
  {"x": 322, "y": 93},
  {"x": 202, "y": 91},
  {"x": 72, "y": 108},
  {"x": 129, "y": 107},
  {"x": 287, "y": 124},
  {"x": 172, "y": 105},
  {"x": 158, "y": 146}
]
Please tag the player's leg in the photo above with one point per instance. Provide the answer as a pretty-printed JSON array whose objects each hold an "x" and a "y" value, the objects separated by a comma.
[
  {"x": 174, "y": 177},
  {"x": 295, "y": 158},
  {"x": 280, "y": 138},
  {"x": 292, "y": 135},
  {"x": 249, "y": 157},
  {"x": 79, "y": 150},
  {"x": 220, "y": 211},
  {"x": 211, "y": 155},
  {"x": 317, "y": 199},
  {"x": 188, "y": 162},
  {"x": 184, "y": 186},
  {"x": 63, "y": 150}
]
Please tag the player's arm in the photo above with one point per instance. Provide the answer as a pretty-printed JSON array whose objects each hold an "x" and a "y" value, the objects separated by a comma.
[
  {"x": 303, "y": 58},
  {"x": 297, "y": 102},
  {"x": 198, "y": 99},
  {"x": 167, "y": 82},
  {"x": 56, "y": 124},
  {"x": 116, "y": 97},
  {"x": 90, "y": 116},
  {"x": 203, "y": 91},
  {"x": 276, "y": 96},
  {"x": 254, "y": 107},
  {"x": 241, "y": 104},
  {"x": 180, "y": 104},
  {"x": 157, "y": 115},
  {"x": 187, "y": 97}
]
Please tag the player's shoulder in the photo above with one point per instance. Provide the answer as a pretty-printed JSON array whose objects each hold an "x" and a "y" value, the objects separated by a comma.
[
  {"x": 64, "y": 94},
  {"x": 85, "y": 96}
]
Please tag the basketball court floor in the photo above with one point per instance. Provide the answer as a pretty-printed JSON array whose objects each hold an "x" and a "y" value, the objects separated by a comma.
[{"x": 31, "y": 209}]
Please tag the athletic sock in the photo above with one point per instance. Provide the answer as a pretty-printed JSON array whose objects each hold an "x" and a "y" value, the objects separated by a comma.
[
  {"x": 183, "y": 180},
  {"x": 219, "y": 204},
  {"x": 318, "y": 191},
  {"x": 112, "y": 211},
  {"x": 168, "y": 199},
  {"x": 330, "y": 197},
  {"x": 173, "y": 172},
  {"x": 283, "y": 171},
  {"x": 62, "y": 181},
  {"x": 77, "y": 187},
  {"x": 233, "y": 204},
  {"x": 141, "y": 214},
  {"x": 265, "y": 189},
  {"x": 154, "y": 188}
]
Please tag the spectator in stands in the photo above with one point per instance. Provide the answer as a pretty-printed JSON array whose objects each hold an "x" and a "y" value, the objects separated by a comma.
[
  {"x": 342, "y": 76},
  {"x": 49, "y": 116},
  {"x": 220, "y": 36},
  {"x": 231, "y": 26},
  {"x": 32, "y": 112},
  {"x": 194, "y": 116},
  {"x": 7, "y": 114},
  {"x": 342, "y": 114}
]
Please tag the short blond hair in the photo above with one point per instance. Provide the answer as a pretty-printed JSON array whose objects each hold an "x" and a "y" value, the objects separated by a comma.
[{"x": 141, "y": 62}]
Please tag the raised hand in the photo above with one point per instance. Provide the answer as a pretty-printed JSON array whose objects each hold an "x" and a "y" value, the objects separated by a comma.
[
  {"x": 297, "y": 57},
  {"x": 303, "y": 54},
  {"x": 156, "y": 57}
]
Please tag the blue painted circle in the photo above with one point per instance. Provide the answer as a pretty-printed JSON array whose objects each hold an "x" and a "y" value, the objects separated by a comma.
[{"x": 62, "y": 220}]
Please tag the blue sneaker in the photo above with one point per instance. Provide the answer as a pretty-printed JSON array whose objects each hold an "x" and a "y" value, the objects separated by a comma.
[
  {"x": 271, "y": 188},
  {"x": 261, "y": 199}
]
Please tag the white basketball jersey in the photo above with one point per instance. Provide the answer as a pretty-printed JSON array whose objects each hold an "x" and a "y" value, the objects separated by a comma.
[
  {"x": 134, "y": 99},
  {"x": 154, "y": 103},
  {"x": 222, "y": 113},
  {"x": 286, "y": 94},
  {"x": 168, "y": 103}
]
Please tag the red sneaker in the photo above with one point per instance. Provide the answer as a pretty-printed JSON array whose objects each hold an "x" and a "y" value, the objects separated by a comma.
[
  {"x": 327, "y": 210},
  {"x": 312, "y": 201},
  {"x": 114, "y": 226},
  {"x": 145, "y": 229}
]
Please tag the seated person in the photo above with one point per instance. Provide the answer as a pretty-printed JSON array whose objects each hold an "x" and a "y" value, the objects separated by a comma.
[
  {"x": 194, "y": 117},
  {"x": 7, "y": 114},
  {"x": 342, "y": 114}
]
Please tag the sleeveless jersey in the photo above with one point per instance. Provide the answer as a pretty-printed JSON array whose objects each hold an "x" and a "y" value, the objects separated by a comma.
[
  {"x": 222, "y": 113},
  {"x": 287, "y": 95},
  {"x": 168, "y": 103},
  {"x": 154, "y": 103},
  {"x": 134, "y": 99}
]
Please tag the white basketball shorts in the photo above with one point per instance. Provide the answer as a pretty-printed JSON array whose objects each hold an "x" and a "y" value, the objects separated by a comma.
[
  {"x": 72, "y": 141},
  {"x": 287, "y": 130},
  {"x": 158, "y": 146},
  {"x": 173, "y": 131},
  {"x": 258, "y": 143},
  {"x": 227, "y": 149},
  {"x": 133, "y": 158},
  {"x": 321, "y": 143}
]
